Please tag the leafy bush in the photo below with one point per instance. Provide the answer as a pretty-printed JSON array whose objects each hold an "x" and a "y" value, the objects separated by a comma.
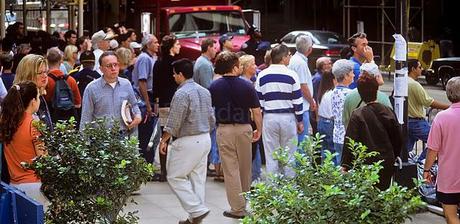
[
  {"x": 322, "y": 193},
  {"x": 89, "y": 176}
]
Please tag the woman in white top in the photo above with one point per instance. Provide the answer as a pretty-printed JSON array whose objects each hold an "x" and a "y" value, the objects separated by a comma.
[
  {"x": 325, "y": 119},
  {"x": 343, "y": 73}
]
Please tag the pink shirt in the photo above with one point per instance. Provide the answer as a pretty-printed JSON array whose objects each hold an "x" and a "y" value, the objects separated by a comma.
[{"x": 444, "y": 138}]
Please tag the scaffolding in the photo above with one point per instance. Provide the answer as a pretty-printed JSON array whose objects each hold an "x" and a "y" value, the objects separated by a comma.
[
  {"x": 36, "y": 15},
  {"x": 384, "y": 18}
]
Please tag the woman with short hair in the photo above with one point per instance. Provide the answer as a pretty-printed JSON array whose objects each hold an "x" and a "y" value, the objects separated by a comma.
[
  {"x": 70, "y": 57},
  {"x": 443, "y": 144},
  {"x": 343, "y": 73}
]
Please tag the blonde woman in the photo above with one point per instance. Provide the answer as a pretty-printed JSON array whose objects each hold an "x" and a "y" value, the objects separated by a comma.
[
  {"x": 35, "y": 68},
  {"x": 125, "y": 58},
  {"x": 248, "y": 67},
  {"x": 70, "y": 57}
]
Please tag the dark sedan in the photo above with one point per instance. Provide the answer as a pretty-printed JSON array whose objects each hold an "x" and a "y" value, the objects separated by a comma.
[
  {"x": 443, "y": 69},
  {"x": 325, "y": 43}
]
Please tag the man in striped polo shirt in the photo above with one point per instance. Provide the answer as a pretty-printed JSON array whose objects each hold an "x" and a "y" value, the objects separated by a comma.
[{"x": 280, "y": 97}]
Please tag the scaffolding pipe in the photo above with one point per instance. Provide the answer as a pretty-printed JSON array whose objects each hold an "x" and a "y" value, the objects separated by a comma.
[
  {"x": 343, "y": 19},
  {"x": 80, "y": 18},
  {"x": 2, "y": 18},
  {"x": 48, "y": 16},
  {"x": 24, "y": 16},
  {"x": 423, "y": 21},
  {"x": 348, "y": 18},
  {"x": 382, "y": 49}
]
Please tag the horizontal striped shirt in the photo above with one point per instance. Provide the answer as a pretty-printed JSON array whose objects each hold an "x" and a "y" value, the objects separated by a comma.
[{"x": 278, "y": 89}]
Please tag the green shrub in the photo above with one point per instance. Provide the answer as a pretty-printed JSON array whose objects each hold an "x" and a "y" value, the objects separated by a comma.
[
  {"x": 89, "y": 176},
  {"x": 322, "y": 193}
]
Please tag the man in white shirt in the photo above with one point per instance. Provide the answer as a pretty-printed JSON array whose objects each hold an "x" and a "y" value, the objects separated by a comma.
[
  {"x": 101, "y": 43},
  {"x": 299, "y": 64}
]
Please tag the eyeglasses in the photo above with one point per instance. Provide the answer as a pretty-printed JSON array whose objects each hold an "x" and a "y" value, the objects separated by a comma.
[
  {"x": 44, "y": 72},
  {"x": 113, "y": 65}
]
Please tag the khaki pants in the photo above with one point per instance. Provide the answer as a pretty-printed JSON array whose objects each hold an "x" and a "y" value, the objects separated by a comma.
[{"x": 234, "y": 141}]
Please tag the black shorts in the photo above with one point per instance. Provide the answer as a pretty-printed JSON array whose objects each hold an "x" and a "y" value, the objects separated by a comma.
[{"x": 448, "y": 198}]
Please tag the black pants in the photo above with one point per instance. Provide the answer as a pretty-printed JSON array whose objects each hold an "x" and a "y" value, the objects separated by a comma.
[{"x": 145, "y": 131}]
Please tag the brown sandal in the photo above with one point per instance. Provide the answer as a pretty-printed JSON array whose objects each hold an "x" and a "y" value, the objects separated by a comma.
[{"x": 219, "y": 178}]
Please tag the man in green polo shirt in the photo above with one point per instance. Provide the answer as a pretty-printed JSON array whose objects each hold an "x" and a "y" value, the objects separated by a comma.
[
  {"x": 353, "y": 99},
  {"x": 418, "y": 127}
]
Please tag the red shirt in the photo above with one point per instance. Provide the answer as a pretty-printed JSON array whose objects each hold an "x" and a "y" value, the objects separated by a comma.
[{"x": 70, "y": 81}]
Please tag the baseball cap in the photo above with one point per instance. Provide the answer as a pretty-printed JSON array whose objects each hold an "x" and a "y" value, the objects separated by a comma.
[
  {"x": 100, "y": 36},
  {"x": 370, "y": 68},
  {"x": 135, "y": 45},
  {"x": 87, "y": 56},
  {"x": 224, "y": 38}
]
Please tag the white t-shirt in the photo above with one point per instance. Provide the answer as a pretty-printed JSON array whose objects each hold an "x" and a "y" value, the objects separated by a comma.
[{"x": 325, "y": 107}]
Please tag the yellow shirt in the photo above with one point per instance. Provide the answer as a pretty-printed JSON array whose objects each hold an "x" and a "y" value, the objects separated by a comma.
[{"x": 418, "y": 99}]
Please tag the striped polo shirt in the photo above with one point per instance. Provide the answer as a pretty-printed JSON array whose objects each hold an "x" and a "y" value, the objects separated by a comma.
[{"x": 278, "y": 89}]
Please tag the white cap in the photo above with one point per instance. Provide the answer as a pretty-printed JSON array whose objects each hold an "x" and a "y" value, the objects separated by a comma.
[
  {"x": 101, "y": 35},
  {"x": 371, "y": 68},
  {"x": 135, "y": 45}
]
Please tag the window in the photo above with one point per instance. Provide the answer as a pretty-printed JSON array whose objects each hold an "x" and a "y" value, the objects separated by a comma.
[{"x": 206, "y": 23}]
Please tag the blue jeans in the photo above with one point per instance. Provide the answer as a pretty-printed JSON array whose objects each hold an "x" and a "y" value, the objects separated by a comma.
[
  {"x": 417, "y": 129},
  {"x": 326, "y": 128},
  {"x": 214, "y": 154},
  {"x": 306, "y": 126},
  {"x": 338, "y": 149},
  {"x": 256, "y": 165}
]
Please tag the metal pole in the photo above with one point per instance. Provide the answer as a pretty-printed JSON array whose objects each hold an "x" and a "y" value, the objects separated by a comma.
[
  {"x": 95, "y": 18},
  {"x": 423, "y": 21},
  {"x": 343, "y": 18},
  {"x": 48, "y": 16},
  {"x": 70, "y": 18},
  {"x": 80, "y": 18},
  {"x": 2, "y": 18},
  {"x": 382, "y": 51},
  {"x": 24, "y": 16},
  {"x": 348, "y": 18}
]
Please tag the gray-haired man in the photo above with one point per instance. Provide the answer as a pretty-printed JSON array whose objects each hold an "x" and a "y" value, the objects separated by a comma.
[
  {"x": 142, "y": 78},
  {"x": 299, "y": 64}
]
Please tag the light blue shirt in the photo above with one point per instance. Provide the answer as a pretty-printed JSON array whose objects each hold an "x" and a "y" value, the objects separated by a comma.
[
  {"x": 102, "y": 100},
  {"x": 143, "y": 70},
  {"x": 203, "y": 71},
  {"x": 299, "y": 64},
  {"x": 3, "y": 90}
]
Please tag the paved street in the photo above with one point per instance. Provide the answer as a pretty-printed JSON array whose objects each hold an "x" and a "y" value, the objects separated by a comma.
[{"x": 158, "y": 205}]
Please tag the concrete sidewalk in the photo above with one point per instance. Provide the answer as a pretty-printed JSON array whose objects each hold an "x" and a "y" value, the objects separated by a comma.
[{"x": 158, "y": 205}]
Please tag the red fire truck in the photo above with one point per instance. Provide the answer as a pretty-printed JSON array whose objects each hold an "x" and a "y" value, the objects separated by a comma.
[{"x": 192, "y": 21}]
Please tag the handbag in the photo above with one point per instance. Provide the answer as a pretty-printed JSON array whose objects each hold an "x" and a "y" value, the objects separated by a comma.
[{"x": 405, "y": 172}]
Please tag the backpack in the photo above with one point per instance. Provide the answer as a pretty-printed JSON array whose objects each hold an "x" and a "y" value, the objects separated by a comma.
[{"x": 62, "y": 103}]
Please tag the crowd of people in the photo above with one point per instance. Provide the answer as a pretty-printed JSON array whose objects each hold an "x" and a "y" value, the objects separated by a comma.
[{"x": 221, "y": 115}]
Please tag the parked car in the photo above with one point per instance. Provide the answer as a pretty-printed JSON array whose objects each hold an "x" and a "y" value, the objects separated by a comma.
[
  {"x": 325, "y": 43},
  {"x": 443, "y": 69}
]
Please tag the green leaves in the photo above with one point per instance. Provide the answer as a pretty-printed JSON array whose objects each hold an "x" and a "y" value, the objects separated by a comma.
[
  {"x": 89, "y": 176},
  {"x": 323, "y": 194}
]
